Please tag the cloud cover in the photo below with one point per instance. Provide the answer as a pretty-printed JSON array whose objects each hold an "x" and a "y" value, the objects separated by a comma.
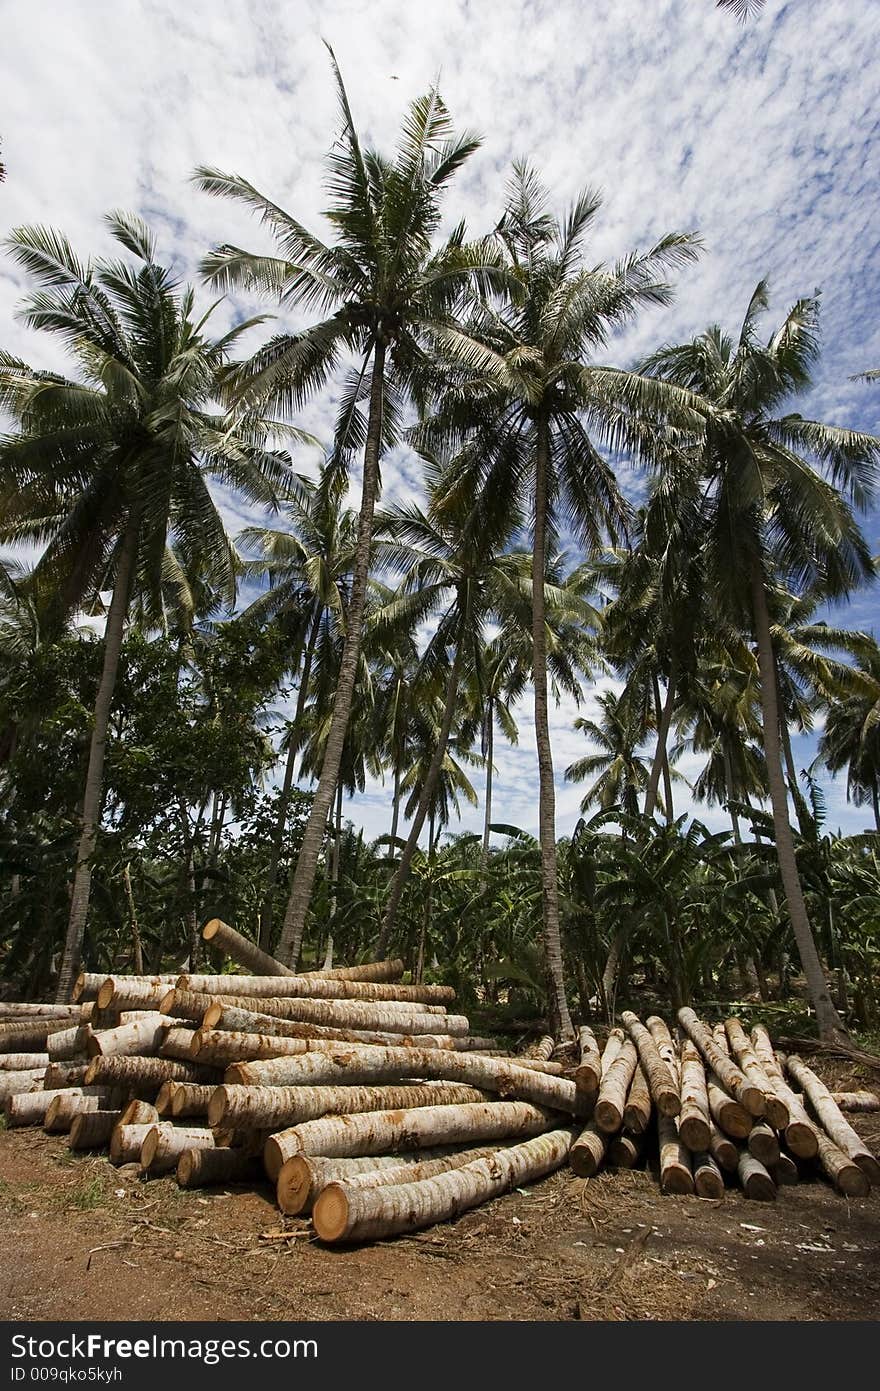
[{"x": 762, "y": 137}]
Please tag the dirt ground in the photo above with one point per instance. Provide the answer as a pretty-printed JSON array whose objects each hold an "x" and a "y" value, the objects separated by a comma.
[{"x": 82, "y": 1240}]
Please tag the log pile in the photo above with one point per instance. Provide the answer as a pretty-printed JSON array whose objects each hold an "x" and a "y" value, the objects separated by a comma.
[{"x": 368, "y": 1104}]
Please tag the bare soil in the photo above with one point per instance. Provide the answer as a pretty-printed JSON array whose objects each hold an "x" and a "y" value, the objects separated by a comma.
[{"x": 83, "y": 1240}]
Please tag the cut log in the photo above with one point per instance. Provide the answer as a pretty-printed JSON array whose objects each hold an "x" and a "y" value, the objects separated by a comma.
[
  {"x": 178, "y": 1042},
  {"x": 732, "y": 1118},
  {"x": 23, "y": 1062},
  {"x": 346, "y": 1015},
  {"x": 763, "y": 1144},
  {"x": 143, "y": 1074},
  {"x": 676, "y": 1175},
  {"x": 637, "y": 1111},
  {"x": 722, "y": 1149},
  {"x": 351, "y": 1066},
  {"x": 751, "y": 1067},
  {"x": 661, "y": 1081},
  {"x": 359, "y": 1214},
  {"x": 708, "y": 1180},
  {"x": 65, "y": 1108},
  {"x": 846, "y": 1101},
  {"x": 181, "y": 1099},
  {"x": 242, "y": 951},
  {"x": 785, "y": 1171},
  {"x": 624, "y": 1150},
  {"x": 694, "y": 1122},
  {"x": 588, "y": 1077},
  {"x": 587, "y": 1154},
  {"x": 800, "y": 1133},
  {"x": 246, "y": 1021},
  {"x": 551, "y": 1069},
  {"x": 69, "y": 1043},
  {"x": 198, "y": 1168},
  {"x": 29, "y": 1108},
  {"x": 129, "y": 993},
  {"x": 91, "y": 1130},
  {"x": 59, "y": 1075},
  {"x": 370, "y": 970},
  {"x": 303, "y": 1177},
  {"x": 379, "y": 1132},
  {"x": 613, "y": 1044},
  {"x": 729, "y": 1074},
  {"x": 139, "y": 1113},
  {"x": 273, "y": 1107},
  {"x": 140, "y": 1039},
  {"x": 126, "y": 1141},
  {"x": 613, "y": 1092},
  {"x": 89, "y": 983},
  {"x": 164, "y": 1143},
  {"x": 836, "y": 1126},
  {"x": 310, "y": 987},
  {"x": 15, "y": 1011},
  {"x": 25, "y": 1080},
  {"x": 541, "y": 1052},
  {"x": 757, "y": 1184}
]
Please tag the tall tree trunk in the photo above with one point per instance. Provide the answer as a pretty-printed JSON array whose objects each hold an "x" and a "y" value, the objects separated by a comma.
[
  {"x": 801, "y": 810},
  {"x": 827, "y": 1018},
  {"x": 334, "y": 877},
  {"x": 728, "y": 786},
  {"x": 560, "y": 1019},
  {"x": 395, "y": 806},
  {"x": 137, "y": 954},
  {"x": 875, "y": 802},
  {"x": 267, "y": 909},
  {"x": 667, "y": 775},
  {"x": 94, "y": 788},
  {"x": 307, "y": 861},
  {"x": 401, "y": 874},
  {"x": 490, "y": 749},
  {"x": 660, "y": 751}
]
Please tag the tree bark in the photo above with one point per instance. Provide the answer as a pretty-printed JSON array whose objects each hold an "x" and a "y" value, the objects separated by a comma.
[
  {"x": 267, "y": 909},
  {"x": 242, "y": 951},
  {"x": 487, "y": 816},
  {"x": 401, "y": 874},
  {"x": 560, "y": 1019},
  {"x": 662, "y": 737},
  {"x": 828, "y": 1020},
  {"x": 277, "y": 1108},
  {"x": 303, "y": 1177},
  {"x": 94, "y": 788},
  {"x": 313, "y": 835},
  {"x": 835, "y": 1123},
  {"x": 664, "y": 1088}
]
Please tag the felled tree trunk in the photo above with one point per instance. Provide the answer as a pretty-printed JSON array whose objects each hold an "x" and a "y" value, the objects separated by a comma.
[
  {"x": 730, "y": 1076},
  {"x": 662, "y": 1084},
  {"x": 184, "y": 1099},
  {"x": 379, "y": 1132},
  {"x": 321, "y": 986},
  {"x": 303, "y": 1176},
  {"x": 21, "y": 1035},
  {"x": 91, "y": 1130},
  {"x": 372, "y": 1065},
  {"x": 588, "y": 1151},
  {"x": 836, "y": 1125},
  {"x": 66, "y": 1107},
  {"x": 270, "y": 1108},
  {"x": 144, "y": 1073},
  {"x": 28, "y": 1062},
  {"x": 59, "y": 1075},
  {"x": 785, "y": 1171},
  {"x": 30, "y": 1108},
  {"x": 139, "y": 1113},
  {"x": 732, "y": 1118},
  {"x": 142, "y": 1038},
  {"x": 846, "y": 1101},
  {"x": 624, "y": 1150},
  {"x": 750, "y": 1065},
  {"x": 800, "y": 1133},
  {"x": 131, "y": 992},
  {"x": 178, "y": 1043},
  {"x": 361, "y": 1214},
  {"x": 198, "y": 1168},
  {"x": 24, "y": 1080},
  {"x": 610, "y": 1104},
  {"x": 11, "y": 1011},
  {"x": 345, "y": 1015},
  {"x": 164, "y": 1143},
  {"x": 242, "y": 951},
  {"x": 722, "y": 1149},
  {"x": 708, "y": 1182},
  {"x": 637, "y": 1111},
  {"x": 588, "y": 1077},
  {"x": 756, "y": 1182},
  {"x": 694, "y": 1121},
  {"x": 126, "y": 1141},
  {"x": 69, "y": 1043},
  {"x": 676, "y": 1175},
  {"x": 763, "y": 1144}
]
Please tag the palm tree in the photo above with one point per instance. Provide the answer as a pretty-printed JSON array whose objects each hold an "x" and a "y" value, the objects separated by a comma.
[
  {"x": 104, "y": 467},
  {"x": 743, "y": 9},
  {"x": 619, "y": 774},
  {"x": 851, "y": 738},
  {"x": 308, "y": 566},
  {"x": 769, "y": 512},
  {"x": 382, "y": 283},
  {"x": 519, "y": 393}
]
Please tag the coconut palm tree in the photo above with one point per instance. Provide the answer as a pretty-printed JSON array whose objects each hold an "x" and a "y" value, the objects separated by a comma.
[
  {"x": 851, "y": 737},
  {"x": 381, "y": 284},
  {"x": 518, "y": 397},
  {"x": 102, "y": 468},
  {"x": 779, "y": 492},
  {"x": 619, "y": 773}
]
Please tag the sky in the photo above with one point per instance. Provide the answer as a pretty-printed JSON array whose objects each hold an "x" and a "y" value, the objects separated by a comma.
[{"x": 763, "y": 137}]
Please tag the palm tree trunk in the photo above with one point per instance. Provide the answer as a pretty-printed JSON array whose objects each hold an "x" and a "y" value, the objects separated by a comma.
[
  {"x": 490, "y": 749},
  {"x": 395, "y": 805},
  {"x": 137, "y": 955},
  {"x": 560, "y": 1019},
  {"x": 801, "y": 810},
  {"x": 267, "y": 909},
  {"x": 827, "y": 1018},
  {"x": 401, "y": 874},
  {"x": 875, "y": 802},
  {"x": 728, "y": 785},
  {"x": 94, "y": 788},
  {"x": 660, "y": 751},
  {"x": 313, "y": 836}
]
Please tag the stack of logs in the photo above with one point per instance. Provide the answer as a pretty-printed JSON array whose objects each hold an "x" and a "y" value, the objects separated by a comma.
[{"x": 369, "y": 1105}]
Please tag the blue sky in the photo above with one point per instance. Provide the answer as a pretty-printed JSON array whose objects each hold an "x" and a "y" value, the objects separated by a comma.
[{"x": 763, "y": 137}]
